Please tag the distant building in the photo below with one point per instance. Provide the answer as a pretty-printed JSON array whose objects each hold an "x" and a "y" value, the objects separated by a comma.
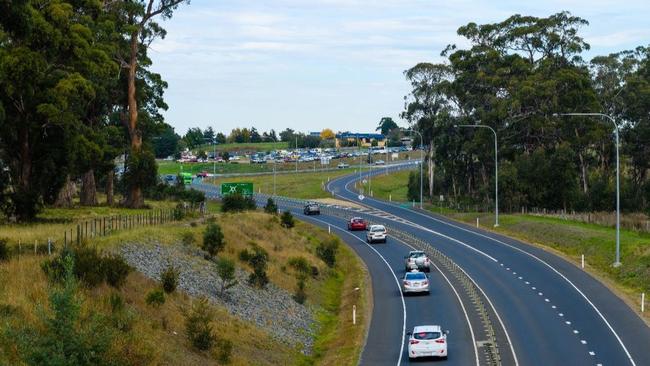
[
  {"x": 316, "y": 134},
  {"x": 365, "y": 139}
]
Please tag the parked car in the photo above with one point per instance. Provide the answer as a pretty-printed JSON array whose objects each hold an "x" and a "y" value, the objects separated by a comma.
[
  {"x": 376, "y": 233},
  {"x": 357, "y": 223},
  {"x": 427, "y": 341},
  {"x": 417, "y": 259},
  {"x": 203, "y": 174},
  {"x": 343, "y": 165},
  {"x": 312, "y": 209},
  {"x": 380, "y": 162},
  {"x": 415, "y": 282}
]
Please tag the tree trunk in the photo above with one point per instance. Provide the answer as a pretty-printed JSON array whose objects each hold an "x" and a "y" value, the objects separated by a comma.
[
  {"x": 135, "y": 199},
  {"x": 88, "y": 195},
  {"x": 431, "y": 168},
  {"x": 66, "y": 194},
  {"x": 583, "y": 167},
  {"x": 110, "y": 176}
]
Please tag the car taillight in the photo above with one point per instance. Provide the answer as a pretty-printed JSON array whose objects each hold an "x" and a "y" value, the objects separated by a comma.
[
  {"x": 441, "y": 340},
  {"x": 413, "y": 341}
]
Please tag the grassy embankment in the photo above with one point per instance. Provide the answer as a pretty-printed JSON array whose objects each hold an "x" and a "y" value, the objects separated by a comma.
[
  {"x": 568, "y": 238},
  {"x": 301, "y": 185},
  {"x": 157, "y": 335}
]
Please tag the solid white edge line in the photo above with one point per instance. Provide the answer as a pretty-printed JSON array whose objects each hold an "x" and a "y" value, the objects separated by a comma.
[
  {"x": 620, "y": 341},
  {"x": 401, "y": 350},
  {"x": 469, "y": 324}
]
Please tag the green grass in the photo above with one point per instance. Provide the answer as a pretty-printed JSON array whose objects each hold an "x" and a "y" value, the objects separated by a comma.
[
  {"x": 301, "y": 185},
  {"x": 390, "y": 186}
]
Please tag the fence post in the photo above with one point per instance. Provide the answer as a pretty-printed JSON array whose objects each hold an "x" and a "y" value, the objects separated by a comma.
[
  {"x": 65, "y": 238},
  {"x": 78, "y": 233},
  {"x": 477, "y": 222},
  {"x": 583, "y": 261},
  {"x": 354, "y": 314},
  {"x": 642, "y": 302},
  {"x": 49, "y": 246},
  {"x": 35, "y": 244}
]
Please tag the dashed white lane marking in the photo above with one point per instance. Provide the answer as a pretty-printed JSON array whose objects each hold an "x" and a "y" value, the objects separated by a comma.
[
  {"x": 560, "y": 314},
  {"x": 554, "y": 307},
  {"x": 534, "y": 288},
  {"x": 567, "y": 322},
  {"x": 547, "y": 300},
  {"x": 592, "y": 353},
  {"x": 521, "y": 278},
  {"x": 575, "y": 331},
  {"x": 583, "y": 341},
  {"x": 540, "y": 294},
  {"x": 528, "y": 283}
]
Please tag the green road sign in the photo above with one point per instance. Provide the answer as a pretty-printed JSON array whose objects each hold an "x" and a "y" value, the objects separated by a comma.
[{"x": 245, "y": 189}]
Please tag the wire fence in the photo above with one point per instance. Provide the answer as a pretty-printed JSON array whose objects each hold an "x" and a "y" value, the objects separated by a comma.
[{"x": 90, "y": 229}]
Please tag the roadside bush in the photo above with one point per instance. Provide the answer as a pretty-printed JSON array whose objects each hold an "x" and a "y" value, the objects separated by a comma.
[
  {"x": 188, "y": 238},
  {"x": 121, "y": 318},
  {"x": 169, "y": 279},
  {"x": 63, "y": 335},
  {"x": 258, "y": 261},
  {"x": 89, "y": 267},
  {"x": 116, "y": 270},
  {"x": 226, "y": 272},
  {"x": 286, "y": 220},
  {"x": 4, "y": 250},
  {"x": 300, "y": 296},
  {"x": 270, "y": 206},
  {"x": 237, "y": 202},
  {"x": 162, "y": 191},
  {"x": 300, "y": 265},
  {"x": 327, "y": 250},
  {"x": 225, "y": 350},
  {"x": 155, "y": 298},
  {"x": 213, "y": 239},
  {"x": 197, "y": 325},
  {"x": 245, "y": 255}
]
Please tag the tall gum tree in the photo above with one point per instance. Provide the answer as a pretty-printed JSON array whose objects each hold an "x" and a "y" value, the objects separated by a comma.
[{"x": 141, "y": 30}]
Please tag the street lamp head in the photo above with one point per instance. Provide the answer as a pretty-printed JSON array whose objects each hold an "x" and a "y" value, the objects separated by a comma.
[
  {"x": 556, "y": 114},
  {"x": 455, "y": 126}
]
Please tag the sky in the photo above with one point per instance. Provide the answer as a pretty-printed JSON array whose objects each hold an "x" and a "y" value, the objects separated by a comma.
[{"x": 314, "y": 64}]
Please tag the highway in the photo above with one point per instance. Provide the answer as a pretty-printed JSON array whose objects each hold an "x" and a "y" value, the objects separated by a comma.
[{"x": 552, "y": 312}]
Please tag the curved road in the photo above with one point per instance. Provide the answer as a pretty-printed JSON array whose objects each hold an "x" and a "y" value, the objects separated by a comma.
[{"x": 554, "y": 313}]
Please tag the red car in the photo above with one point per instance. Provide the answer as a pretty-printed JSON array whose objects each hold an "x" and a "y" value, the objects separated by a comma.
[
  {"x": 202, "y": 174},
  {"x": 357, "y": 223}
]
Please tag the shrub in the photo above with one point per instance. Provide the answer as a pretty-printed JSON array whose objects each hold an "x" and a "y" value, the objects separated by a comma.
[
  {"x": 116, "y": 270},
  {"x": 226, "y": 272},
  {"x": 169, "y": 279},
  {"x": 121, "y": 317},
  {"x": 287, "y": 220},
  {"x": 326, "y": 251},
  {"x": 237, "y": 202},
  {"x": 300, "y": 296},
  {"x": 300, "y": 264},
  {"x": 213, "y": 239},
  {"x": 155, "y": 298},
  {"x": 63, "y": 336},
  {"x": 187, "y": 238},
  {"x": 245, "y": 255},
  {"x": 258, "y": 261},
  {"x": 4, "y": 250},
  {"x": 89, "y": 267},
  {"x": 270, "y": 206},
  {"x": 197, "y": 325},
  {"x": 314, "y": 271},
  {"x": 225, "y": 350}
]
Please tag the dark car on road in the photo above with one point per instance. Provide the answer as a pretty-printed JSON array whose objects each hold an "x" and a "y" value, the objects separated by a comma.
[{"x": 312, "y": 209}]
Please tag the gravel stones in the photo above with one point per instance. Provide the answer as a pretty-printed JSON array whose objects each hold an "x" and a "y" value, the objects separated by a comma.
[{"x": 272, "y": 308}]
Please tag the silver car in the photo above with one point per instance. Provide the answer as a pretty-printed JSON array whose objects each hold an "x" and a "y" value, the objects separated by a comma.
[
  {"x": 376, "y": 233},
  {"x": 415, "y": 282},
  {"x": 417, "y": 259}
]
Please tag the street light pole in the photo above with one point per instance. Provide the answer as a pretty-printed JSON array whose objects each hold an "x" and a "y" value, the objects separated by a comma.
[
  {"x": 421, "y": 159},
  {"x": 618, "y": 180},
  {"x": 496, "y": 170}
]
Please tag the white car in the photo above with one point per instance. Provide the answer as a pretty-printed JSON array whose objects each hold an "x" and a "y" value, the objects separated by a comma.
[
  {"x": 376, "y": 233},
  {"x": 343, "y": 166},
  {"x": 380, "y": 162},
  {"x": 427, "y": 341},
  {"x": 415, "y": 282},
  {"x": 417, "y": 259}
]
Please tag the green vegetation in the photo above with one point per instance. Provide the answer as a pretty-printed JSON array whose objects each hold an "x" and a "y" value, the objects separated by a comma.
[
  {"x": 389, "y": 186},
  {"x": 286, "y": 220},
  {"x": 301, "y": 185},
  {"x": 213, "y": 242},
  {"x": 169, "y": 279},
  {"x": 155, "y": 298}
]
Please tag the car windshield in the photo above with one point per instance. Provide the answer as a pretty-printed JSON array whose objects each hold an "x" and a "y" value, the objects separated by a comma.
[
  {"x": 426, "y": 335},
  {"x": 415, "y": 276},
  {"x": 357, "y": 221},
  {"x": 377, "y": 229},
  {"x": 417, "y": 255}
]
